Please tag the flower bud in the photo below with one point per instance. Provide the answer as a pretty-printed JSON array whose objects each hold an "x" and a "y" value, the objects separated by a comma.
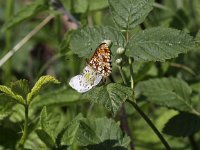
[
  {"x": 120, "y": 50},
  {"x": 108, "y": 42},
  {"x": 118, "y": 61}
]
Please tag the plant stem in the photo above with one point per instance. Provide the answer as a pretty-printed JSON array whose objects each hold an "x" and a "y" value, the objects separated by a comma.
[
  {"x": 122, "y": 75},
  {"x": 25, "y": 39},
  {"x": 131, "y": 71},
  {"x": 25, "y": 131},
  {"x": 148, "y": 121}
]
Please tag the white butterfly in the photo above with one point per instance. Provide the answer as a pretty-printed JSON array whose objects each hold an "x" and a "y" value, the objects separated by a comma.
[{"x": 98, "y": 67}]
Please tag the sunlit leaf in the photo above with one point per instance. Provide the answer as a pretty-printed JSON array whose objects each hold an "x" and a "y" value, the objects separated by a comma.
[
  {"x": 110, "y": 96},
  {"x": 183, "y": 124},
  {"x": 9, "y": 93},
  {"x": 80, "y": 6},
  {"x": 129, "y": 13},
  {"x": 159, "y": 44},
  {"x": 168, "y": 92},
  {"x": 97, "y": 4},
  {"x": 39, "y": 84}
]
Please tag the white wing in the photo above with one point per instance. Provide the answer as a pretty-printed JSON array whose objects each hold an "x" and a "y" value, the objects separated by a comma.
[{"x": 85, "y": 81}]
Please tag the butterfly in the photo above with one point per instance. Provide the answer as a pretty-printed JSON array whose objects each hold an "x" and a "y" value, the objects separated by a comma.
[{"x": 97, "y": 68}]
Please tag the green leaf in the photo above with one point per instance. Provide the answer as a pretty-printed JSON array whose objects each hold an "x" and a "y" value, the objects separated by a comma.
[
  {"x": 45, "y": 137},
  {"x": 27, "y": 12},
  {"x": 71, "y": 130},
  {"x": 21, "y": 87},
  {"x": 127, "y": 14},
  {"x": 59, "y": 97},
  {"x": 97, "y": 4},
  {"x": 183, "y": 124},
  {"x": 10, "y": 94},
  {"x": 100, "y": 132},
  {"x": 85, "y": 41},
  {"x": 168, "y": 92},
  {"x": 158, "y": 44},
  {"x": 110, "y": 96},
  {"x": 39, "y": 84},
  {"x": 80, "y": 6}
]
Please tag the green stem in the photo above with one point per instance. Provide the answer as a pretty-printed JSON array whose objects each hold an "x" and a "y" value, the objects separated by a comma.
[
  {"x": 148, "y": 121},
  {"x": 25, "y": 131},
  {"x": 122, "y": 75},
  {"x": 131, "y": 71}
]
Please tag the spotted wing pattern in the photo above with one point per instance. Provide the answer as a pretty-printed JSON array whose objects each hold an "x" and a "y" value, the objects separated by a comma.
[{"x": 101, "y": 60}]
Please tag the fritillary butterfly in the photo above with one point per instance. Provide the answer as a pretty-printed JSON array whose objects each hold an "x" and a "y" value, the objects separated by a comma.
[{"x": 98, "y": 67}]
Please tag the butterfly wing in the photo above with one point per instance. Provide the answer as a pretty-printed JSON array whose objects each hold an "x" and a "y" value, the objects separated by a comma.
[
  {"x": 85, "y": 81},
  {"x": 101, "y": 60}
]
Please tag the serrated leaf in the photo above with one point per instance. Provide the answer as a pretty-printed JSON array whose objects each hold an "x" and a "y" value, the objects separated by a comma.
[
  {"x": 85, "y": 41},
  {"x": 9, "y": 93},
  {"x": 59, "y": 97},
  {"x": 45, "y": 137},
  {"x": 97, "y": 4},
  {"x": 39, "y": 84},
  {"x": 110, "y": 96},
  {"x": 183, "y": 124},
  {"x": 127, "y": 14},
  {"x": 168, "y": 92},
  {"x": 27, "y": 12},
  {"x": 100, "y": 132},
  {"x": 21, "y": 87},
  {"x": 158, "y": 44}
]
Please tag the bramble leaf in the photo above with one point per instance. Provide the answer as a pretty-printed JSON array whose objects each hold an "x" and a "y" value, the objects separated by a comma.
[
  {"x": 80, "y": 6},
  {"x": 39, "y": 84},
  {"x": 100, "y": 132},
  {"x": 158, "y": 44},
  {"x": 10, "y": 94},
  {"x": 96, "y": 4},
  {"x": 183, "y": 124},
  {"x": 85, "y": 41},
  {"x": 168, "y": 92},
  {"x": 27, "y": 12},
  {"x": 45, "y": 137},
  {"x": 110, "y": 96},
  {"x": 129, "y": 13}
]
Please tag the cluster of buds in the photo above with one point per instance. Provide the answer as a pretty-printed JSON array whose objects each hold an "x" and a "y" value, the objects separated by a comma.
[{"x": 120, "y": 51}]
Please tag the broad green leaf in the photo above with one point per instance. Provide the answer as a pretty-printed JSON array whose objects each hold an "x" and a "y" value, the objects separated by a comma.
[
  {"x": 21, "y": 87},
  {"x": 110, "y": 96},
  {"x": 129, "y": 13},
  {"x": 100, "y": 132},
  {"x": 168, "y": 92},
  {"x": 80, "y": 6},
  {"x": 10, "y": 94},
  {"x": 158, "y": 44},
  {"x": 60, "y": 97},
  {"x": 97, "y": 4},
  {"x": 183, "y": 124},
  {"x": 71, "y": 130},
  {"x": 45, "y": 137},
  {"x": 39, "y": 84},
  {"x": 27, "y": 12},
  {"x": 85, "y": 41}
]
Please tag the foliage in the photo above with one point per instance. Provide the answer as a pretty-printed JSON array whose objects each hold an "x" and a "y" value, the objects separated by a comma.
[{"x": 149, "y": 101}]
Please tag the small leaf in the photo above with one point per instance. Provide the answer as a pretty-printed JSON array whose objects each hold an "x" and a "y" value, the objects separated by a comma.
[
  {"x": 168, "y": 92},
  {"x": 21, "y": 87},
  {"x": 183, "y": 124},
  {"x": 27, "y": 12},
  {"x": 111, "y": 96},
  {"x": 45, "y": 137},
  {"x": 80, "y": 6},
  {"x": 129, "y": 13},
  {"x": 97, "y": 4},
  {"x": 159, "y": 44},
  {"x": 9, "y": 93},
  {"x": 85, "y": 41},
  {"x": 39, "y": 84}
]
